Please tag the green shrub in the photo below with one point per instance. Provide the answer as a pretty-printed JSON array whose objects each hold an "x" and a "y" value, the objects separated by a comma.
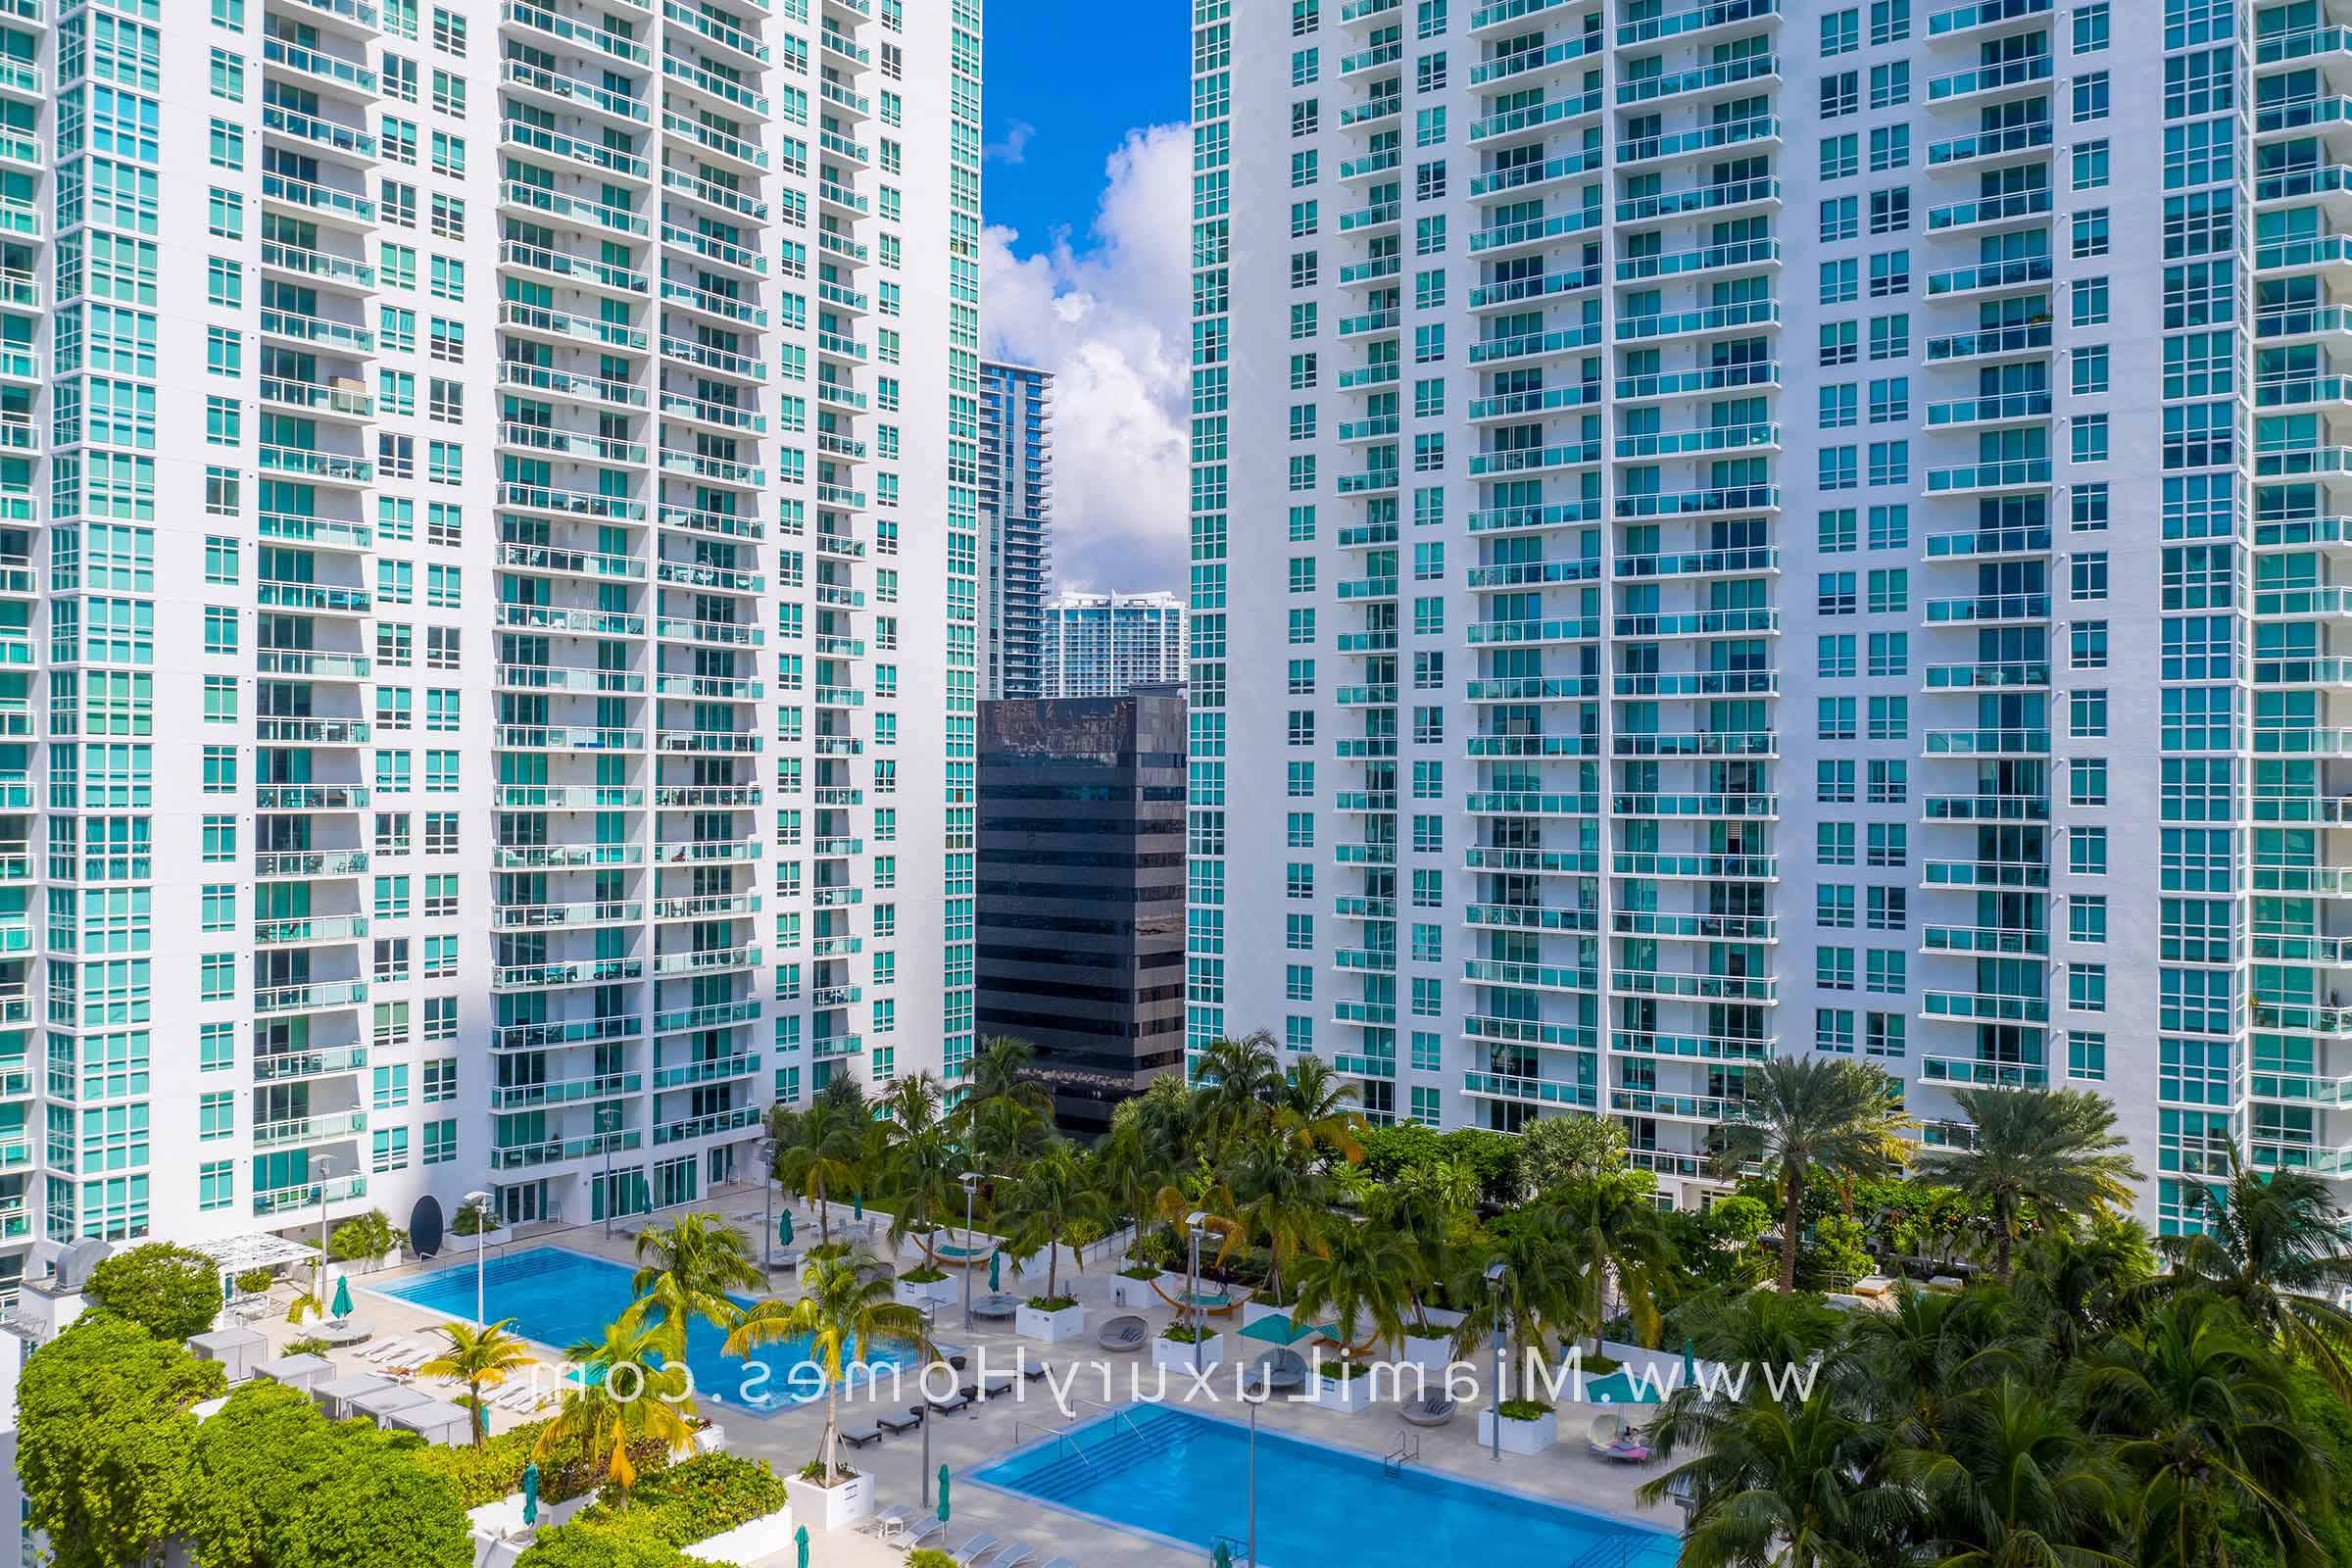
[
  {"x": 171, "y": 1292},
  {"x": 1186, "y": 1334},
  {"x": 928, "y": 1557},
  {"x": 1052, "y": 1303},
  {"x": 307, "y": 1345},
  {"x": 495, "y": 1469},
  {"x": 707, "y": 1495},
  {"x": 585, "y": 1545},
  {"x": 1523, "y": 1409},
  {"x": 365, "y": 1236},
  {"x": 255, "y": 1281},
  {"x": 925, "y": 1275}
]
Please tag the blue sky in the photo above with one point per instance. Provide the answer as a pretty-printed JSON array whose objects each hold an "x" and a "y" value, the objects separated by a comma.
[
  {"x": 1086, "y": 191},
  {"x": 1050, "y": 65}
]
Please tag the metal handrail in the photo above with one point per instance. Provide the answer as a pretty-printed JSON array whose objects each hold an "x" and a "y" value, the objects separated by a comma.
[
  {"x": 1116, "y": 1414},
  {"x": 1060, "y": 1436}
]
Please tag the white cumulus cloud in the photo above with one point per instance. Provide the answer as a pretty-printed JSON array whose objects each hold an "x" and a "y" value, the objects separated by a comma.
[{"x": 1105, "y": 313}]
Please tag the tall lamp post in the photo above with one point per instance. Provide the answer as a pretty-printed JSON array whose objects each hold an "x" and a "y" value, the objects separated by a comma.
[
  {"x": 765, "y": 1148},
  {"x": 921, "y": 1414},
  {"x": 1194, "y": 1223},
  {"x": 604, "y": 1138},
  {"x": 970, "y": 1183},
  {"x": 1494, "y": 1273},
  {"x": 323, "y": 1165},
  {"x": 1253, "y": 1396},
  {"x": 480, "y": 1203}
]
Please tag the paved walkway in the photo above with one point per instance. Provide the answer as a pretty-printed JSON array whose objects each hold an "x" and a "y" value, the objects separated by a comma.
[{"x": 966, "y": 1442}]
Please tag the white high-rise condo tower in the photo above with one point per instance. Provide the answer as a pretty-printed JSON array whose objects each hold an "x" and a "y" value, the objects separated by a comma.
[
  {"x": 490, "y": 595},
  {"x": 1779, "y": 526},
  {"x": 1105, "y": 645}
]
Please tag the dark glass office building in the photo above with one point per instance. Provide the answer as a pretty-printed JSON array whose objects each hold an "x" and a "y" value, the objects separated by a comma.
[{"x": 1081, "y": 891}]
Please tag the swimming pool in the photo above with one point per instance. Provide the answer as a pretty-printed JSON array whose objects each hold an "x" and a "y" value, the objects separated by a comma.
[
  {"x": 558, "y": 1297},
  {"x": 1184, "y": 1477}
]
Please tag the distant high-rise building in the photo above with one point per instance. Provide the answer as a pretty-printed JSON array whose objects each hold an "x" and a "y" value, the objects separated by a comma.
[
  {"x": 1081, "y": 891},
  {"x": 1105, "y": 645},
  {"x": 1017, "y": 509}
]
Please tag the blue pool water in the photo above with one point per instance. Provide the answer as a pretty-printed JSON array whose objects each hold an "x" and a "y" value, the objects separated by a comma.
[
  {"x": 558, "y": 1297},
  {"x": 1185, "y": 1478}
]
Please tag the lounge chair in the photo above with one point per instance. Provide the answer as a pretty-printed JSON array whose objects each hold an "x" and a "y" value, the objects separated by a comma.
[
  {"x": 1014, "y": 1555},
  {"x": 1429, "y": 1410},
  {"x": 974, "y": 1550},
  {"x": 1123, "y": 1334},
  {"x": 931, "y": 1534},
  {"x": 1610, "y": 1437},
  {"x": 388, "y": 1350},
  {"x": 1284, "y": 1371},
  {"x": 949, "y": 1404},
  {"x": 996, "y": 1387},
  {"x": 896, "y": 1424},
  {"x": 1058, "y": 1562},
  {"x": 860, "y": 1437},
  {"x": 1031, "y": 1371}
]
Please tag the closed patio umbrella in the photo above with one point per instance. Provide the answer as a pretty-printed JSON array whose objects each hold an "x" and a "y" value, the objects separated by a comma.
[
  {"x": 530, "y": 1492},
  {"x": 943, "y": 1494},
  {"x": 784, "y": 1229},
  {"x": 995, "y": 1271},
  {"x": 858, "y": 1205},
  {"x": 800, "y": 1542},
  {"x": 342, "y": 1306}
]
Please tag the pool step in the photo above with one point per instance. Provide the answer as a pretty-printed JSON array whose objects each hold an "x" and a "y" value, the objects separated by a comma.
[{"x": 1127, "y": 1447}]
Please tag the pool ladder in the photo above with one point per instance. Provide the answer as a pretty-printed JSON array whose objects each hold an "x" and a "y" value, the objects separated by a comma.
[
  {"x": 1062, "y": 1440},
  {"x": 1407, "y": 1451}
]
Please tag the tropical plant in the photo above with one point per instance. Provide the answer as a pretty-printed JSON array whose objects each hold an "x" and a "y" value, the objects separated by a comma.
[
  {"x": 685, "y": 1271},
  {"x": 1515, "y": 1286},
  {"x": 820, "y": 1152},
  {"x": 480, "y": 1358},
  {"x": 1003, "y": 1109},
  {"x": 1815, "y": 1114},
  {"x": 2018, "y": 1485},
  {"x": 364, "y": 1238},
  {"x": 1054, "y": 1195},
  {"x": 1609, "y": 1229},
  {"x": 2056, "y": 1151},
  {"x": 474, "y": 1219},
  {"x": 1280, "y": 1202},
  {"x": 1558, "y": 1150},
  {"x": 2203, "y": 1423},
  {"x": 1786, "y": 1482},
  {"x": 2276, "y": 1246},
  {"x": 1240, "y": 1080},
  {"x": 615, "y": 1401},
  {"x": 1362, "y": 1277},
  {"x": 104, "y": 1436},
  {"x": 918, "y": 1158},
  {"x": 841, "y": 1314},
  {"x": 1314, "y": 1110},
  {"x": 170, "y": 1290}
]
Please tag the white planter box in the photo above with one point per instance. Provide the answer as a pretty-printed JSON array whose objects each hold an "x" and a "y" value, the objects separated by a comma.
[
  {"x": 1125, "y": 1292},
  {"x": 1347, "y": 1394},
  {"x": 1521, "y": 1437},
  {"x": 829, "y": 1507},
  {"x": 1433, "y": 1355},
  {"x": 768, "y": 1536},
  {"x": 1052, "y": 1327},
  {"x": 1176, "y": 1353},
  {"x": 932, "y": 1293},
  {"x": 711, "y": 1438},
  {"x": 1443, "y": 1318}
]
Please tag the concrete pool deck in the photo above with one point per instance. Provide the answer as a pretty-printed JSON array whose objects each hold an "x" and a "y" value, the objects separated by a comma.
[{"x": 967, "y": 1442}]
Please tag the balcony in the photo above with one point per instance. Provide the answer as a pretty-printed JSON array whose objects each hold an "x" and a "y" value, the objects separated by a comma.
[
  {"x": 287, "y": 1066},
  {"x": 559, "y": 1149},
  {"x": 309, "y": 1129},
  {"x": 2022, "y": 473},
  {"x": 564, "y": 1091},
  {"x": 1990, "y": 212},
  {"x": 1988, "y": 743},
  {"x": 1985, "y": 83},
  {"x": 740, "y": 1065},
  {"x": 1971, "y": 1072},
  {"x": 1702, "y": 80},
  {"x": 318, "y": 997},
  {"x": 1987, "y": 609},
  {"x": 309, "y": 1195}
]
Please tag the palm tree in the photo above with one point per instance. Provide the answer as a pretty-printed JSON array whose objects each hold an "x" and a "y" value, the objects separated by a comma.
[
  {"x": 1055, "y": 1191},
  {"x": 609, "y": 1423},
  {"x": 2084, "y": 1285},
  {"x": 479, "y": 1359},
  {"x": 2017, "y": 1485},
  {"x": 1788, "y": 1484},
  {"x": 918, "y": 1158},
  {"x": 842, "y": 1315},
  {"x": 685, "y": 1271},
  {"x": 2202, "y": 1419},
  {"x": 1611, "y": 1230},
  {"x": 1164, "y": 1116},
  {"x": 1913, "y": 1363},
  {"x": 1239, "y": 1082},
  {"x": 1430, "y": 1208},
  {"x": 1003, "y": 1106},
  {"x": 1362, "y": 1277},
  {"x": 1312, "y": 1109},
  {"x": 1520, "y": 1299},
  {"x": 1280, "y": 1202},
  {"x": 1816, "y": 1113},
  {"x": 1127, "y": 1172},
  {"x": 2055, "y": 1148},
  {"x": 821, "y": 1151},
  {"x": 2279, "y": 1246}
]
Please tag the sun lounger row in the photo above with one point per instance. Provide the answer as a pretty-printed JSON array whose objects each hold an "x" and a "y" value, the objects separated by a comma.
[{"x": 906, "y": 1530}]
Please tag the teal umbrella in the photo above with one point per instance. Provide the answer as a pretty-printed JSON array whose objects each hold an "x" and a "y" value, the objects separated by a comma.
[
  {"x": 342, "y": 1306},
  {"x": 943, "y": 1494},
  {"x": 995, "y": 1271},
  {"x": 800, "y": 1542},
  {"x": 1689, "y": 1365},
  {"x": 1223, "y": 1557},
  {"x": 857, "y": 1206},
  {"x": 228, "y": 1287},
  {"x": 784, "y": 1229},
  {"x": 530, "y": 1492}
]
